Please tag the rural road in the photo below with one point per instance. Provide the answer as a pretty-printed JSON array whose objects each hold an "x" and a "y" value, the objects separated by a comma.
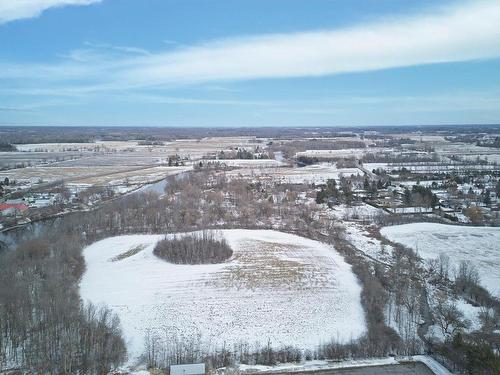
[{"x": 416, "y": 368}]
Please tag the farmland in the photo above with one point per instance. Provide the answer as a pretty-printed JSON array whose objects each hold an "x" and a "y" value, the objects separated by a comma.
[
  {"x": 317, "y": 174},
  {"x": 277, "y": 287}
]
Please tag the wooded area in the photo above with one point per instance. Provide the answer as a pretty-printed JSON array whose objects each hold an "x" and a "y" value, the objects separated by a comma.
[{"x": 196, "y": 248}]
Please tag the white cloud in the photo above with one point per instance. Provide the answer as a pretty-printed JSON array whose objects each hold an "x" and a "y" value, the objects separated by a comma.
[
  {"x": 11, "y": 10},
  {"x": 464, "y": 32}
]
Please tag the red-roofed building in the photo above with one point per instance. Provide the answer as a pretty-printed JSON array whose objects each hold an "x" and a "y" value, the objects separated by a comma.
[{"x": 12, "y": 209}]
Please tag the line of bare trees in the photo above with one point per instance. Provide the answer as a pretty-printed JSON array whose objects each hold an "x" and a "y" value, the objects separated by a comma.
[{"x": 163, "y": 349}]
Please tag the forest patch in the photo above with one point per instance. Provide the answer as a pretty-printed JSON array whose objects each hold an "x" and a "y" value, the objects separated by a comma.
[{"x": 197, "y": 248}]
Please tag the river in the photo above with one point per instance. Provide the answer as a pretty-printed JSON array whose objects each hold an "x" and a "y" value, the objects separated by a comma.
[{"x": 11, "y": 236}]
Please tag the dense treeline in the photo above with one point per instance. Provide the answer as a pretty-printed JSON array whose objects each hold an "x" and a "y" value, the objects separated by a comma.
[
  {"x": 7, "y": 147},
  {"x": 420, "y": 196},
  {"x": 164, "y": 350},
  {"x": 44, "y": 327},
  {"x": 306, "y": 160},
  {"x": 469, "y": 354},
  {"x": 196, "y": 248},
  {"x": 380, "y": 340}
]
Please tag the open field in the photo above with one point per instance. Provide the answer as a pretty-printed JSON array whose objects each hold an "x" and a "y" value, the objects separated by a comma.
[
  {"x": 476, "y": 245},
  {"x": 277, "y": 287},
  {"x": 18, "y": 159},
  {"x": 467, "y": 151},
  {"x": 116, "y": 163},
  {"x": 317, "y": 173},
  {"x": 250, "y": 163},
  {"x": 184, "y": 147},
  {"x": 52, "y": 173},
  {"x": 343, "y": 153},
  {"x": 85, "y": 176},
  {"x": 134, "y": 177}
]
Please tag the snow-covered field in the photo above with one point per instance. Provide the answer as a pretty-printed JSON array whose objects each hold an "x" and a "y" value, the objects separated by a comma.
[
  {"x": 277, "y": 286},
  {"x": 180, "y": 146},
  {"x": 249, "y": 163},
  {"x": 478, "y": 245},
  {"x": 316, "y": 173},
  {"x": 343, "y": 153}
]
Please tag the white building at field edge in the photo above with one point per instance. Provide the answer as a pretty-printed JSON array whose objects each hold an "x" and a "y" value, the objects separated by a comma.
[{"x": 191, "y": 369}]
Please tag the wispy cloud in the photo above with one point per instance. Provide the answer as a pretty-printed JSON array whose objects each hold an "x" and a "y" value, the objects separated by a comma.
[
  {"x": 12, "y": 109},
  {"x": 11, "y": 10},
  {"x": 163, "y": 99},
  {"x": 171, "y": 42},
  {"x": 120, "y": 49}
]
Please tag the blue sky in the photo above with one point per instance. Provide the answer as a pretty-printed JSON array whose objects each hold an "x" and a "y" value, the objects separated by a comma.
[{"x": 249, "y": 62}]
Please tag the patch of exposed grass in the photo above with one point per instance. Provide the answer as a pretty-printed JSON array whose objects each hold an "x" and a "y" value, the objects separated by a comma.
[
  {"x": 128, "y": 253},
  {"x": 270, "y": 265}
]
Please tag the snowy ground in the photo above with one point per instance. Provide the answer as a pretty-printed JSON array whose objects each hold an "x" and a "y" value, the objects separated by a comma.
[
  {"x": 343, "y": 153},
  {"x": 316, "y": 365},
  {"x": 278, "y": 287},
  {"x": 316, "y": 173},
  {"x": 411, "y": 210},
  {"x": 249, "y": 163},
  {"x": 470, "y": 314},
  {"x": 477, "y": 245},
  {"x": 362, "y": 240},
  {"x": 361, "y": 211}
]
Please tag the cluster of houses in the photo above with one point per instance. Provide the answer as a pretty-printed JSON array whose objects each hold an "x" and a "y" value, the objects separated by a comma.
[
  {"x": 13, "y": 208},
  {"x": 17, "y": 210},
  {"x": 451, "y": 201}
]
